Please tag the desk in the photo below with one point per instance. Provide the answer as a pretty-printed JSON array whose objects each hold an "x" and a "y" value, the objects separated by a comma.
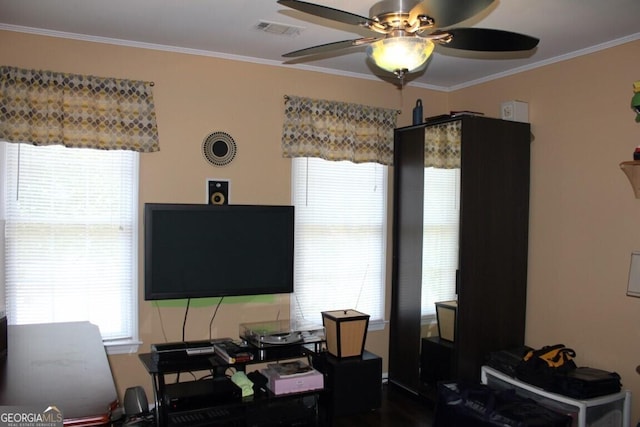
[{"x": 61, "y": 364}]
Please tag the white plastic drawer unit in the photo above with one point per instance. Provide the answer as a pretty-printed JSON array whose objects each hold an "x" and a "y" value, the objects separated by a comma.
[{"x": 612, "y": 410}]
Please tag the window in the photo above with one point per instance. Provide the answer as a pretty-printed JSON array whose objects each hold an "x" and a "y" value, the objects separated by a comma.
[
  {"x": 440, "y": 241},
  {"x": 71, "y": 238},
  {"x": 340, "y": 210}
]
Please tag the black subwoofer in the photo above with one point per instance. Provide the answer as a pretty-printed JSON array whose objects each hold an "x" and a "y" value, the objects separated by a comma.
[
  {"x": 436, "y": 361},
  {"x": 353, "y": 385}
]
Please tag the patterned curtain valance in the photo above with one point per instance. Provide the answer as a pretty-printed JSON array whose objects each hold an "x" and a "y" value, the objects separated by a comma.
[
  {"x": 442, "y": 144},
  {"x": 337, "y": 131},
  {"x": 45, "y": 108}
]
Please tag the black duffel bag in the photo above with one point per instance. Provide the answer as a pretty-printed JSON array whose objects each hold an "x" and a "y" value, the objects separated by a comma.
[
  {"x": 506, "y": 361},
  {"x": 587, "y": 383},
  {"x": 541, "y": 367}
]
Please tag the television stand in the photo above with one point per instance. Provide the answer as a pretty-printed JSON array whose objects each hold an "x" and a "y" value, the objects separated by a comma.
[{"x": 214, "y": 398}]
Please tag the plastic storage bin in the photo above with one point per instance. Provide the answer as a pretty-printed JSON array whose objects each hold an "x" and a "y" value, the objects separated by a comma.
[{"x": 613, "y": 410}]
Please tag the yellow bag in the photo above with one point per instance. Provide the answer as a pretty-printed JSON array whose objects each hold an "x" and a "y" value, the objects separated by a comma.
[
  {"x": 543, "y": 366},
  {"x": 555, "y": 356}
]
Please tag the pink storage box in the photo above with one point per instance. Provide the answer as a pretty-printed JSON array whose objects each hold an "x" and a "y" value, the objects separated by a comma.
[{"x": 313, "y": 380}]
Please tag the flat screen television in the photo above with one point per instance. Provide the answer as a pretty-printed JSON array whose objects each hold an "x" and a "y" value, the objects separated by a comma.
[{"x": 197, "y": 250}]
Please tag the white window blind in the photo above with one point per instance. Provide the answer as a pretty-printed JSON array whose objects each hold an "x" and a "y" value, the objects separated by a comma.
[
  {"x": 340, "y": 210},
  {"x": 71, "y": 237},
  {"x": 440, "y": 236}
]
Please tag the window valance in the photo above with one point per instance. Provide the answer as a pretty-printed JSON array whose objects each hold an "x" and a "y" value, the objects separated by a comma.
[
  {"x": 46, "y": 107},
  {"x": 442, "y": 145},
  {"x": 337, "y": 131}
]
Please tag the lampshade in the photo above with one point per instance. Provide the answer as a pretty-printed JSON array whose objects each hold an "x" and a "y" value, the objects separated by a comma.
[{"x": 396, "y": 54}]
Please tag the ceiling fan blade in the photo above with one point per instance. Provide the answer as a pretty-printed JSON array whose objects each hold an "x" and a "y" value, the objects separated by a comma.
[
  {"x": 327, "y": 12},
  {"x": 329, "y": 47},
  {"x": 449, "y": 12},
  {"x": 487, "y": 40}
]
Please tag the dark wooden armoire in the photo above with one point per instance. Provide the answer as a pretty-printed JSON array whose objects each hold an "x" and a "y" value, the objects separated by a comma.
[{"x": 493, "y": 247}]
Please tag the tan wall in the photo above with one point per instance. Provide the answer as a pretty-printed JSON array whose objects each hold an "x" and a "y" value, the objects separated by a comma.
[{"x": 583, "y": 212}]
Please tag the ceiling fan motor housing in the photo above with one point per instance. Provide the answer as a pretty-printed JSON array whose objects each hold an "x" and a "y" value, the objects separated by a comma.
[{"x": 397, "y": 7}]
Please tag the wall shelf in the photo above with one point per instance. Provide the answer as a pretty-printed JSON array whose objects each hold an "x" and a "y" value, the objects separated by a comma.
[{"x": 632, "y": 170}]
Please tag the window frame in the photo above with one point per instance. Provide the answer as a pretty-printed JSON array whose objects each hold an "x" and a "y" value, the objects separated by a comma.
[
  {"x": 374, "y": 323},
  {"x": 112, "y": 346}
]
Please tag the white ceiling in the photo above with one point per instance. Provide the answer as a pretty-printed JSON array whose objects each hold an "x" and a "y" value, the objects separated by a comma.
[{"x": 227, "y": 29}]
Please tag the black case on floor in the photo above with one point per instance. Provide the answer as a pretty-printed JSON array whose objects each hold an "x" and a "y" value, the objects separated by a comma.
[{"x": 477, "y": 405}]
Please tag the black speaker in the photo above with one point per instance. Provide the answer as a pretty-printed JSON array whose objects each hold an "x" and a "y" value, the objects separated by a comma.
[
  {"x": 436, "y": 360},
  {"x": 354, "y": 384},
  {"x": 135, "y": 401},
  {"x": 3, "y": 336},
  {"x": 218, "y": 192}
]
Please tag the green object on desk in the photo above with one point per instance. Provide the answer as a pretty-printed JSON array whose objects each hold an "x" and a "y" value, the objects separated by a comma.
[{"x": 240, "y": 379}]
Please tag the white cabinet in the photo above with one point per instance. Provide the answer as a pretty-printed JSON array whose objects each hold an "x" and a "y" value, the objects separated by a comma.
[{"x": 612, "y": 410}]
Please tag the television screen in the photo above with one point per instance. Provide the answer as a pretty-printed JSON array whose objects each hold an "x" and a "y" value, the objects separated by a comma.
[{"x": 196, "y": 251}]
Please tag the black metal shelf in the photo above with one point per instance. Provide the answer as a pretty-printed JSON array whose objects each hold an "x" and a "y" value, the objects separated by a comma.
[{"x": 231, "y": 412}]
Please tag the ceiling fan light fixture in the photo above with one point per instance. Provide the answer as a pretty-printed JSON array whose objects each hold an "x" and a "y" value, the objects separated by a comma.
[{"x": 400, "y": 53}]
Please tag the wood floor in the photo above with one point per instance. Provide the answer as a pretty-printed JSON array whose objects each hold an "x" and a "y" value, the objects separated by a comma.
[{"x": 399, "y": 409}]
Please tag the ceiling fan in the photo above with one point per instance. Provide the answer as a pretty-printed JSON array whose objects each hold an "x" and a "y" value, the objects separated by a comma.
[{"x": 410, "y": 30}]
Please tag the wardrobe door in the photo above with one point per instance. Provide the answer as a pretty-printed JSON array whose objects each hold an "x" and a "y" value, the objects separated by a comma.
[
  {"x": 404, "y": 336},
  {"x": 493, "y": 241}
]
